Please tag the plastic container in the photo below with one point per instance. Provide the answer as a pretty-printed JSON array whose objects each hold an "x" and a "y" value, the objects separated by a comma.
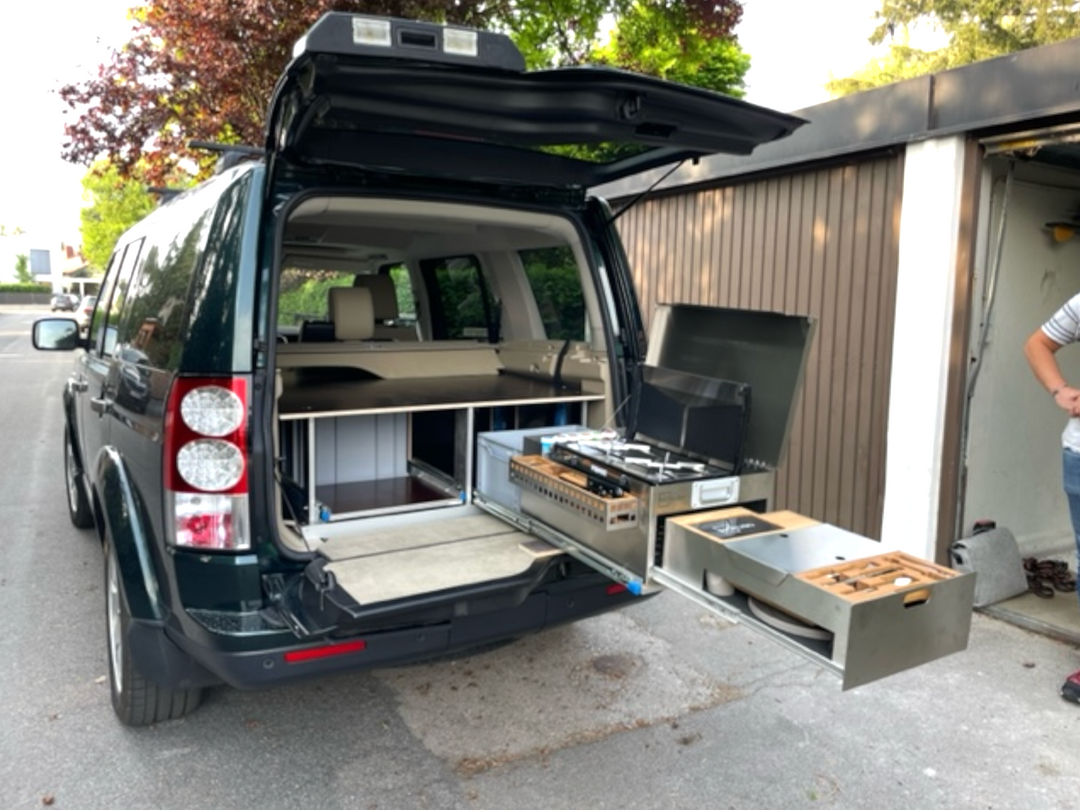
[{"x": 494, "y": 450}]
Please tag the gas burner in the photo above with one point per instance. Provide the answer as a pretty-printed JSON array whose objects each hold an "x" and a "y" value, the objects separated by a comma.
[
  {"x": 653, "y": 464},
  {"x": 640, "y": 459},
  {"x": 616, "y": 447}
]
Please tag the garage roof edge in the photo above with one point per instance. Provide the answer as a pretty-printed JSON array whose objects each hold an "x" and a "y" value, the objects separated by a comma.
[{"x": 1014, "y": 89}]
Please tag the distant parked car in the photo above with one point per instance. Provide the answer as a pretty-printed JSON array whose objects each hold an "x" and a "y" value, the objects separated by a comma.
[
  {"x": 64, "y": 302},
  {"x": 85, "y": 310}
]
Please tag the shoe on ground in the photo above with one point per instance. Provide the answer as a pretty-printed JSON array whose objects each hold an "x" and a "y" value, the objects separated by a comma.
[{"x": 1070, "y": 690}]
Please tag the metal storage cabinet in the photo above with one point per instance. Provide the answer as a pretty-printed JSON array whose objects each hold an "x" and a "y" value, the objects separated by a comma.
[{"x": 882, "y": 612}]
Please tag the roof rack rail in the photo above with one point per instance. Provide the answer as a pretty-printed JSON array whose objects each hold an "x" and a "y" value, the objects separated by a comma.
[
  {"x": 231, "y": 153},
  {"x": 164, "y": 193}
]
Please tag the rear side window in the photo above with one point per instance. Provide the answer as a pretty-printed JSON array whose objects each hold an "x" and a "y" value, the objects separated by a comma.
[
  {"x": 157, "y": 298},
  {"x": 556, "y": 287},
  {"x": 462, "y": 306}
]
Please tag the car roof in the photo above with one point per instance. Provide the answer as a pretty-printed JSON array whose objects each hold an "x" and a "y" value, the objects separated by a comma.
[{"x": 405, "y": 97}]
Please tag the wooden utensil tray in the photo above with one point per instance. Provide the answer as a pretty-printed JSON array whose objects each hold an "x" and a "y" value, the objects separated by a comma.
[
  {"x": 568, "y": 488},
  {"x": 871, "y": 577}
]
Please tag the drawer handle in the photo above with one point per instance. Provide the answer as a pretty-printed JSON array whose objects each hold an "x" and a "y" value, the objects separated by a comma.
[{"x": 916, "y": 598}]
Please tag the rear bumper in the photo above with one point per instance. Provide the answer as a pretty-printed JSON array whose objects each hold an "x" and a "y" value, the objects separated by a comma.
[{"x": 174, "y": 659}]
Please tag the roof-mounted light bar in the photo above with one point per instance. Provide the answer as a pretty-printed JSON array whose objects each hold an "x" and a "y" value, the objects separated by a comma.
[
  {"x": 371, "y": 32},
  {"x": 357, "y": 35}
]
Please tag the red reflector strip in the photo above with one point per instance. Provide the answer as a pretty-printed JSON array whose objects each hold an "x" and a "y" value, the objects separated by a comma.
[
  {"x": 615, "y": 588},
  {"x": 313, "y": 653}
]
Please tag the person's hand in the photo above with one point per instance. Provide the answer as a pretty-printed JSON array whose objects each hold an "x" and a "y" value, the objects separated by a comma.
[{"x": 1068, "y": 398}]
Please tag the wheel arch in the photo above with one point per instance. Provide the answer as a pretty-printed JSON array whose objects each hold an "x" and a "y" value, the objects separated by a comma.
[
  {"x": 121, "y": 516},
  {"x": 71, "y": 426}
]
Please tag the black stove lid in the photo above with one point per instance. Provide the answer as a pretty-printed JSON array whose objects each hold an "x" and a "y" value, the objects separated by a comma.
[{"x": 764, "y": 350}]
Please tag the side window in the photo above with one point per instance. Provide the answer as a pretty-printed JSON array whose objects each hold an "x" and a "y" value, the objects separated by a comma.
[
  {"x": 156, "y": 299},
  {"x": 556, "y": 286},
  {"x": 462, "y": 306},
  {"x": 406, "y": 301},
  {"x": 113, "y": 294}
]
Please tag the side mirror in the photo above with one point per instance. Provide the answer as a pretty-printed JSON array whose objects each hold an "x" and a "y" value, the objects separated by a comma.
[{"x": 56, "y": 335}]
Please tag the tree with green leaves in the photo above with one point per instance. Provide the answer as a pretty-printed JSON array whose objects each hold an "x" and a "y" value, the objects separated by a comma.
[
  {"x": 22, "y": 269},
  {"x": 205, "y": 71},
  {"x": 973, "y": 30},
  {"x": 658, "y": 41},
  {"x": 113, "y": 204}
]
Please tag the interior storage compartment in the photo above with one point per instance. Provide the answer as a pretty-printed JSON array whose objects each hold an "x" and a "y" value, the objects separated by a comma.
[
  {"x": 834, "y": 596},
  {"x": 380, "y": 461},
  {"x": 363, "y": 466}
]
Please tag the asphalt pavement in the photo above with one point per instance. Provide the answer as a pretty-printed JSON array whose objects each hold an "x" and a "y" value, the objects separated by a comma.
[{"x": 660, "y": 705}]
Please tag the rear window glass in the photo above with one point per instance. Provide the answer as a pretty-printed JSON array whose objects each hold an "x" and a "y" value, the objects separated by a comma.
[
  {"x": 556, "y": 287},
  {"x": 304, "y": 294},
  {"x": 406, "y": 301},
  {"x": 462, "y": 307}
]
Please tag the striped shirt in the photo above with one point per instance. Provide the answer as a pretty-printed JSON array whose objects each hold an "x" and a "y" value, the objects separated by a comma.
[
  {"x": 1064, "y": 325},
  {"x": 1064, "y": 328}
]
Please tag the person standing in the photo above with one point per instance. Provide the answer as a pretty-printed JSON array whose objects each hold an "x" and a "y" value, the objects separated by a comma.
[{"x": 1041, "y": 349}]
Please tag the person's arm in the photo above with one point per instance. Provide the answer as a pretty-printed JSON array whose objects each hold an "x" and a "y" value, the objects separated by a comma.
[{"x": 1040, "y": 350}]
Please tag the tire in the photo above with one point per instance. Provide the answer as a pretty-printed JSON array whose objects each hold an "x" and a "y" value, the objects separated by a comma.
[
  {"x": 136, "y": 700},
  {"x": 78, "y": 505}
]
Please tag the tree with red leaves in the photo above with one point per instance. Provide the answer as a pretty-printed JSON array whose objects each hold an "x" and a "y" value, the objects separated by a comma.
[{"x": 205, "y": 70}]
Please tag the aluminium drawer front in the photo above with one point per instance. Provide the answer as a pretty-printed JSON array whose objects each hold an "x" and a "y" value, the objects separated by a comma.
[{"x": 886, "y": 612}]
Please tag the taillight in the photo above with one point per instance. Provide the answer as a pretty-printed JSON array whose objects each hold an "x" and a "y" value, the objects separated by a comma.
[{"x": 206, "y": 463}]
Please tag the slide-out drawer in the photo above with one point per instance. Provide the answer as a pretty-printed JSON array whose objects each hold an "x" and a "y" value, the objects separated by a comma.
[{"x": 832, "y": 595}]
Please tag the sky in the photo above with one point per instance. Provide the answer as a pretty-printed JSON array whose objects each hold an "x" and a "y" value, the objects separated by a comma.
[
  {"x": 793, "y": 44},
  {"x": 45, "y": 47}
]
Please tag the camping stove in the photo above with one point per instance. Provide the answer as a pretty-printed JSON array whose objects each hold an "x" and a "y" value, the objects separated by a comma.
[{"x": 612, "y": 495}]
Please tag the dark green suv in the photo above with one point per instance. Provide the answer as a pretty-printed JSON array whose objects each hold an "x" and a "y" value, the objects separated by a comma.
[{"x": 295, "y": 417}]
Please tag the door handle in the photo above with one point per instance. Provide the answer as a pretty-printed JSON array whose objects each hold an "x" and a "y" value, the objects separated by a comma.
[{"x": 100, "y": 405}]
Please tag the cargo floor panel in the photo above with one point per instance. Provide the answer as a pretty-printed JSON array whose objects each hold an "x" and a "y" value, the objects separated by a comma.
[
  {"x": 431, "y": 568},
  {"x": 430, "y": 533}
]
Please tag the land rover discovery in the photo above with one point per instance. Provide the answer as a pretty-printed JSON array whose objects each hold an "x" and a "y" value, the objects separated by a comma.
[{"x": 293, "y": 417}]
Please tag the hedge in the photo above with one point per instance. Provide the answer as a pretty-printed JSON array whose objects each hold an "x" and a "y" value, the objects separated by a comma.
[{"x": 25, "y": 287}]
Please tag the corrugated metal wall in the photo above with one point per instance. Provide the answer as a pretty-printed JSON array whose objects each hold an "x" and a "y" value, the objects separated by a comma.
[{"x": 820, "y": 242}]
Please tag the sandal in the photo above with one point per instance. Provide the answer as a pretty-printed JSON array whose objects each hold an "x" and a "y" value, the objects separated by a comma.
[
  {"x": 1061, "y": 577},
  {"x": 1046, "y": 576},
  {"x": 1039, "y": 587}
]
